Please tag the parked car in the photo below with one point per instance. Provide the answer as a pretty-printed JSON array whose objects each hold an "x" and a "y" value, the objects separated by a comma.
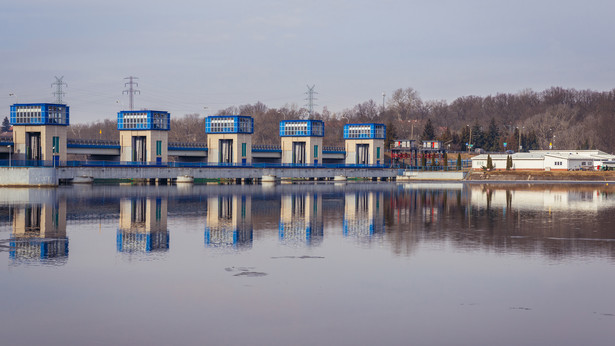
[{"x": 510, "y": 152}]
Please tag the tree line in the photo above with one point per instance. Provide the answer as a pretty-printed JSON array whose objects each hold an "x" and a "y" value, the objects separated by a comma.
[{"x": 565, "y": 118}]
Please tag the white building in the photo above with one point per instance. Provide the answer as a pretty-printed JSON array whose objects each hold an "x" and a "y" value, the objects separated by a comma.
[{"x": 549, "y": 160}]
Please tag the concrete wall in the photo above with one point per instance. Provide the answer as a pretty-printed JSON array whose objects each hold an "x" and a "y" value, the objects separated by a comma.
[
  {"x": 213, "y": 146},
  {"x": 47, "y": 176},
  {"x": 220, "y": 172},
  {"x": 150, "y": 142},
  {"x": 310, "y": 142},
  {"x": 47, "y": 134},
  {"x": 374, "y": 144},
  {"x": 28, "y": 176}
]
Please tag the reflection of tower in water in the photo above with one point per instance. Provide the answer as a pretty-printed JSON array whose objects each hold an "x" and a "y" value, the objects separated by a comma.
[
  {"x": 143, "y": 225},
  {"x": 301, "y": 219},
  {"x": 39, "y": 233},
  {"x": 364, "y": 214},
  {"x": 229, "y": 221}
]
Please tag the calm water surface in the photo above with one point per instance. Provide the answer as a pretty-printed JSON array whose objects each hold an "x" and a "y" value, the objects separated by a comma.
[{"x": 308, "y": 264}]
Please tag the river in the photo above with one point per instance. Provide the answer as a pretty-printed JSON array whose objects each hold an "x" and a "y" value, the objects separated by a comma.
[{"x": 308, "y": 264}]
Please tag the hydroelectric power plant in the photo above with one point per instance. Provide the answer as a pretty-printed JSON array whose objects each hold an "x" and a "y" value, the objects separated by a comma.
[{"x": 39, "y": 153}]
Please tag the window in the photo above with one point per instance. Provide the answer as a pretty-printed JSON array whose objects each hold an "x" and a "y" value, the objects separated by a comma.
[
  {"x": 159, "y": 148},
  {"x": 315, "y": 151},
  {"x": 243, "y": 149},
  {"x": 377, "y": 152},
  {"x": 56, "y": 144},
  {"x": 364, "y": 131}
]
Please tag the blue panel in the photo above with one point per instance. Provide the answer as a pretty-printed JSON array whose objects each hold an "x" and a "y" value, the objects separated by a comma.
[
  {"x": 365, "y": 131},
  {"x": 119, "y": 241},
  {"x": 229, "y": 124},
  {"x": 39, "y": 114},
  {"x": 293, "y": 128},
  {"x": 144, "y": 120},
  {"x": 207, "y": 236}
]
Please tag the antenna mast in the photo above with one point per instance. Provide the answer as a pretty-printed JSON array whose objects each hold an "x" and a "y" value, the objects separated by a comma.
[
  {"x": 310, "y": 99},
  {"x": 59, "y": 83},
  {"x": 131, "y": 91}
]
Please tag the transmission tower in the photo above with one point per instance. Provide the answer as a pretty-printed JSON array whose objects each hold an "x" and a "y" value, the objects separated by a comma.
[
  {"x": 310, "y": 99},
  {"x": 131, "y": 90},
  {"x": 59, "y": 83}
]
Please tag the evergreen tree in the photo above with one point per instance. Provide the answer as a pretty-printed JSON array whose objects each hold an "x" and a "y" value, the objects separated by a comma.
[
  {"x": 465, "y": 138},
  {"x": 6, "y": 125},
  {"x": 508, "y": 162},
  {"x": 492, "y": 140},
  {"x": 458, "y": 162},
  {"x": 423, "y": 161},
  {"x": 429, "y": 133},
  {"x": 489, "y": 162},
  {"x": 514, "y": 141},
  {"x": 433, "y": 160},
  {"x": 478, "y": 136},
  {"x": 445, "y": 160}
]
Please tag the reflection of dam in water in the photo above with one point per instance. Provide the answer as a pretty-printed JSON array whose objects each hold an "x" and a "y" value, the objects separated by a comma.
[
  {"x": 143, "y": 225},
  {"x": 363, "y": 214},
  {"x": 551, "y": 219},
  {"x": 229, "y": 221},
  {"x": 39, "y": 233},
  {"x": 301, "y": 219}
]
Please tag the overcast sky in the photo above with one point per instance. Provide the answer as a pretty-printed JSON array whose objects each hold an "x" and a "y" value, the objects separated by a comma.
[{"x": 194, "y": 54}]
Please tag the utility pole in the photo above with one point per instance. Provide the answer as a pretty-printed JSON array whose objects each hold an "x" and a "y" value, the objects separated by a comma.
[
  {"x": 383, "y": 95},
  {"x": 310, "y": 99},
  {"x": 59, "y": 83},
  {"x": 131, "y": 91}
]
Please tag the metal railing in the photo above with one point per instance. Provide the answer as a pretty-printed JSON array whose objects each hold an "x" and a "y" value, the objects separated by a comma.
[
  {"x": 97, "y": 163},
  {"x": 187, "y": 145},
  {"x": 333, "y": 149},
  {"x": 93, "y": 142},
  {"x": 266, "y": 147}
]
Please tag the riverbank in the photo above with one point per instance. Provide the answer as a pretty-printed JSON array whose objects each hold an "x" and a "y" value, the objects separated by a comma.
[{"x": 520, "y": 175}]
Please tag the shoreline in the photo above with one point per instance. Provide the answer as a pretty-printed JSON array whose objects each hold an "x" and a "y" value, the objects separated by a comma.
[{"x": 542, "y": 176}]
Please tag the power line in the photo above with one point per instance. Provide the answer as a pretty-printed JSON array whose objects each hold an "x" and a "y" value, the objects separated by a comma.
[
  {"x": 59, "y": 83},
  {"x": 310, "y": 99},
  {"x": 131, "y": 91}
]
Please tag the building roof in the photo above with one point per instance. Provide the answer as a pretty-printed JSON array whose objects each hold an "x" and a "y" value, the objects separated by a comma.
[
  {"x": 588, "y": 155},
  {"x": 516, "y": 156},
  {"x": 571, "y": 157}
]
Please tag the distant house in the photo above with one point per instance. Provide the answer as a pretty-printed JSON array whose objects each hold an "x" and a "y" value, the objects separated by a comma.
[{"x": 549, "y": 160}]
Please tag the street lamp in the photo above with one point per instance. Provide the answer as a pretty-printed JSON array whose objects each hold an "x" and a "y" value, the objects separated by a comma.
[
  {"x": 470, "y": 143},
  {"x": 53, "y": 155},
  {"x": 9, "y": 146},
  {"x": 383, "y": 94},
  {"x": 520, "y": 146}
]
